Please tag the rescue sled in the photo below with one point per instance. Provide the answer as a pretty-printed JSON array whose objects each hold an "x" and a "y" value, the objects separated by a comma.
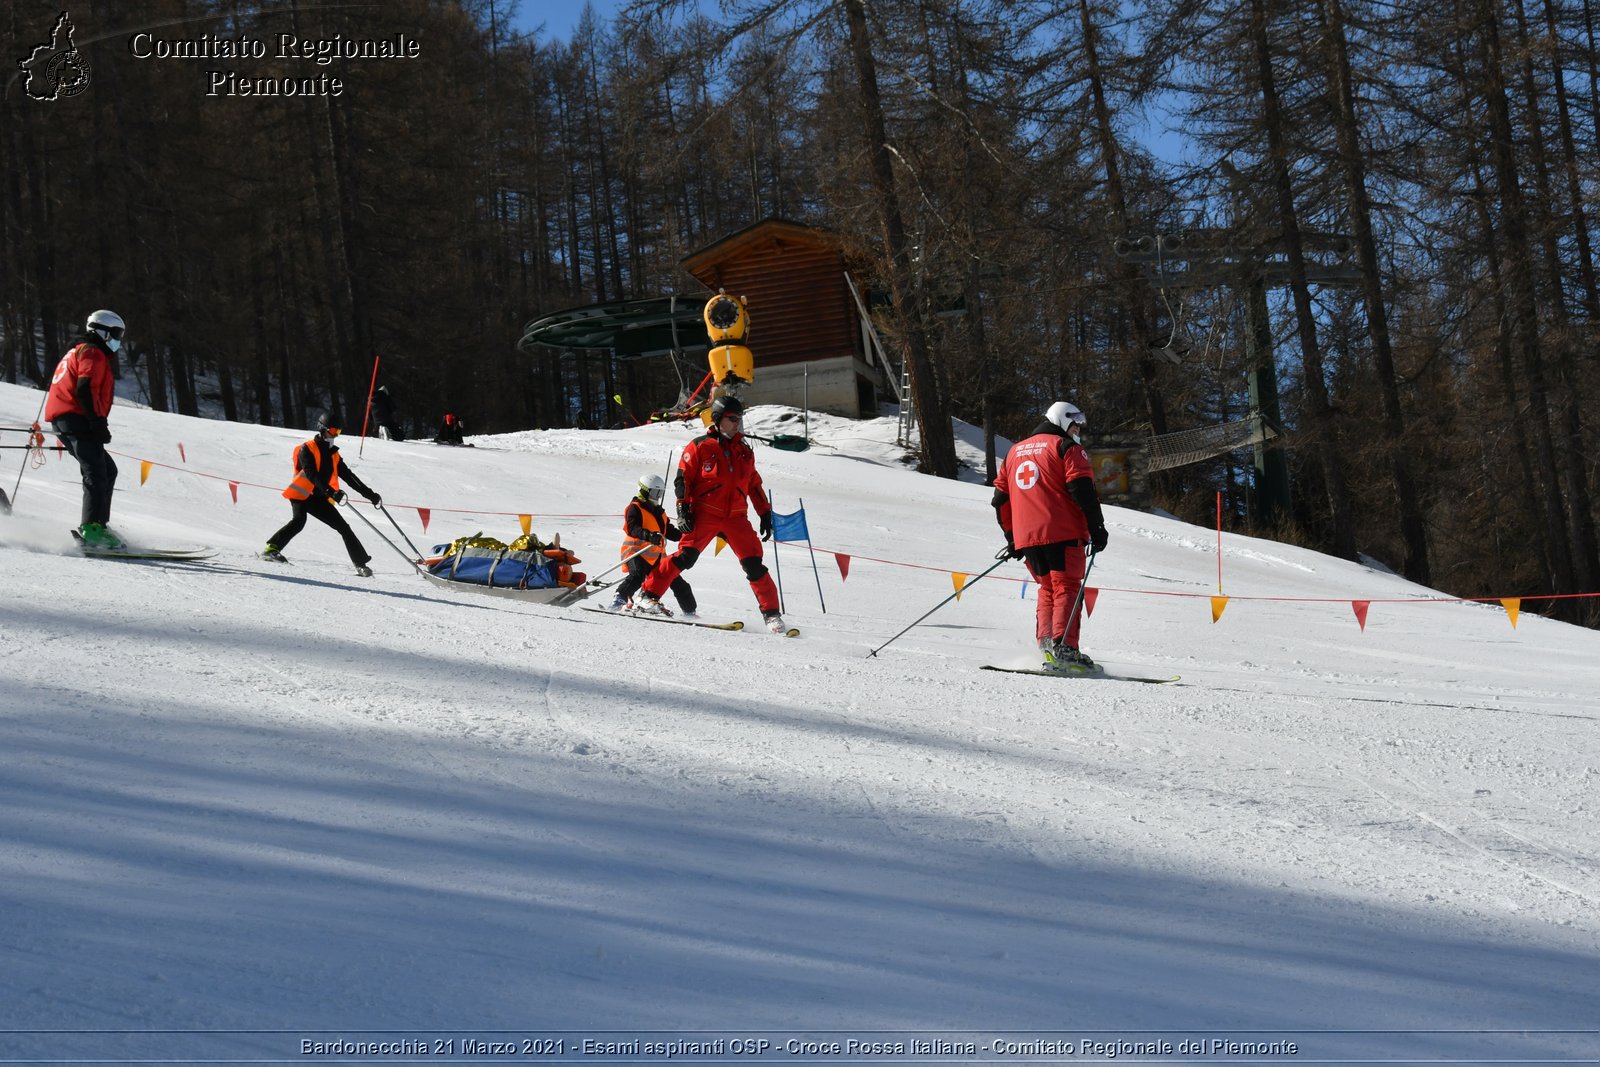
[{"x": 525, "y": 569}]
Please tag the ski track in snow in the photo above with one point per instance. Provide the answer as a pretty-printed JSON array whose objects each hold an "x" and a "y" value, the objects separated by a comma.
[{"x": 239, "y": 795}]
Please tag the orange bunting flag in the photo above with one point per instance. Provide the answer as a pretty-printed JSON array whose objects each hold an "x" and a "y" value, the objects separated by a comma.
[
  {"x": 844, "y": 565},
  {"x": 1090, "y": 595},
  {"x": 180, "y": 452},
  {"x": 527, "y": 523},
  {"x": 424, "y": 512},
  {"x": 233, "y": 487},
  {"x": 144, "y": 470},
  {"x": 1360, "y": 608},
  {"x": 721, "y": 544},
  {"x": 1513, "y": 607},
  {"x": 958, "y": 580},
  {"x": 1218, "y": 605}
]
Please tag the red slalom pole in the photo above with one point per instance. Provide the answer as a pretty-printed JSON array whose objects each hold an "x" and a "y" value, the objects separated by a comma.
[{"x": 368, "y": 415}]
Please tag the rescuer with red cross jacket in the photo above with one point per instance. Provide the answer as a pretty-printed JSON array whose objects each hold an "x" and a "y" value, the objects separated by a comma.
[{"x": 1045, "y": 501}]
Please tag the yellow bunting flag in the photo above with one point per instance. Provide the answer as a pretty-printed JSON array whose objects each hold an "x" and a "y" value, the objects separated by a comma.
[
  {"x": 1090, "y": 595},
  {"x": 721, "y": 544},
  {"x": 1218, "y": 605},
  {"x": 1360, "y": 608},
  {"x": 1513, "y": 607},
  {"x": 844, "y": 565},
  {"x": 424, "y": 512},
  {"x": 144, "y": 470},
  {"x": 527, "y": 523},
  {"x": 958, "y": 580},
  {"x": 233, "y": 487}
]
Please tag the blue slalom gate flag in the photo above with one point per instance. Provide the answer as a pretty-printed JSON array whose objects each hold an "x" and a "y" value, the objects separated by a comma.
[{"x": 790, "y": 527}]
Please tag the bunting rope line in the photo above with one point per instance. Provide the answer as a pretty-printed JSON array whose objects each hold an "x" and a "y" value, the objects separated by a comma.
[
  {"x": 431, "y": 510},
  {"x": 1213, "y": 597}
]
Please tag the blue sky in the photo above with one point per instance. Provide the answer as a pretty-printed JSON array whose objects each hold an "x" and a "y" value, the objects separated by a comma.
[{"x": 560, "y": 16}]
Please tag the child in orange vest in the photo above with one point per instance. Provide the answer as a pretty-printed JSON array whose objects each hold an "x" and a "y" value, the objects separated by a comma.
[{"x": 646, "y": 525}]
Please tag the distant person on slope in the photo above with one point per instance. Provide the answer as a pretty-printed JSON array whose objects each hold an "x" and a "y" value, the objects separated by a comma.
[
  {"x": 451, "y": 432},
  {"x": 716, "y": 484},
  {"x": 78, "y": 407},
  {"x": 383, "y": 416},
  {"x": 315, "y": 490},
  {"x": 645, "y": 527},
  {"x": 1045, "y": 501}
]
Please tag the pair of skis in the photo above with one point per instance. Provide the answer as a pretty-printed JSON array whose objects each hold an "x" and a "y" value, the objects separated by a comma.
[
  {"x": 178, "y": 555},
  {"x": 1078, "y": 672},
  {"x": 735, "y": 625}
]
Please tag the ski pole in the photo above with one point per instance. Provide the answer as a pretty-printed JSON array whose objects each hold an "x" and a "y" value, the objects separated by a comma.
[
  {"x": 1000, "y": 557},
  {"x": 414, "y": 548},
  {"x": 391, "y": 544},
  {"x": 1078, "y": 600}
]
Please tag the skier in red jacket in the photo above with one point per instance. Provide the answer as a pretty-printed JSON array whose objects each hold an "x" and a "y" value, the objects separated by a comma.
[
  {"x": 716, "y": 484},
  {"x": 78, "y": 406},
  {"x": 1045, "y": 500}
]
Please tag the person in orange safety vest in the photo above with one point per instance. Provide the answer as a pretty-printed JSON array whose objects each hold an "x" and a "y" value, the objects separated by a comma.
[
  {"x": 646, "y": 527},
  {"x": 315, "y": 491}
]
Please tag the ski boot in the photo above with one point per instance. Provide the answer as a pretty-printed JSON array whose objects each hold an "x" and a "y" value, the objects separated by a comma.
[
  {"x": 620, "y": 603},
  {"x": 774, "y": 622},
  {"x": 363, "y": 571},
  {"x": 1075, "y": 660},
  {"x": 98, "y": 535},
  {"x": 645, "y": 604},
  {"x": 273, "y": 554}
]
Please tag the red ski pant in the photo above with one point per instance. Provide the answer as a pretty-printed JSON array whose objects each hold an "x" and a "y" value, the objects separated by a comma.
[
  {"x": 1059, "y": 570},
  {"x": 734, "y": 529}
]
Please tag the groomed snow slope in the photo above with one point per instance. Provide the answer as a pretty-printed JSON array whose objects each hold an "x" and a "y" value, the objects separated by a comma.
[{"x": 235, "y": 796}]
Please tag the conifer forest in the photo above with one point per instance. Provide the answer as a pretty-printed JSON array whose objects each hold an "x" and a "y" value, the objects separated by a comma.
[{"x": 1381, "y": 211}]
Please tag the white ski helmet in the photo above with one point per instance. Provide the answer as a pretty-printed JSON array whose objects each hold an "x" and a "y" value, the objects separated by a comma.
[
  {"x": 653, "y": 487},
  {"x": 1066, "y": 416},
  {"x": 106, "y": 325}
]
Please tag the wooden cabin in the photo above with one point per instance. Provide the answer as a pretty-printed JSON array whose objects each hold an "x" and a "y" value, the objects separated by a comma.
[{"x": 805, "y": 326}]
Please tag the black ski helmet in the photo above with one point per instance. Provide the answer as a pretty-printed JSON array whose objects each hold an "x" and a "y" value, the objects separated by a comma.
[
  {"x": 726, "y": 405},
  {"x": 329, "y": 424}
]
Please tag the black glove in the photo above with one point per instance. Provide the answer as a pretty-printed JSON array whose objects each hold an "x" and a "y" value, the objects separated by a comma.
[
  {"x": 766, "y": 526},
  {"x": 1099, "y": 537},
  {"x": 375, "y": 499},
  {"x": 100, "y": 430},
  {"x": 337, "y": 496},
  {"x": 685, "y": 516},
  {"x": 1011, "y": 549},
  {"x": 653, "y": 537}
]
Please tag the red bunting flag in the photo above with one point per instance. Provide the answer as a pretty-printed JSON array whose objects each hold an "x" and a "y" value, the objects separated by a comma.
[
  {"x": 1360, "y": 608},
  {"x": 1090, "y": 595},
  {"x": 233, "y": 487},
  {"x": 424, "y": 512},
  {"x": 180, "y": 452},
  {"x": 844, "y": 565}
]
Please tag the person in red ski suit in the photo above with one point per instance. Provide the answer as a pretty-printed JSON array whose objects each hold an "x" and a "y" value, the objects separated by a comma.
[
  {"x": 78, "y": 407},
  {"x": 1045, "y": 501},
  {"x": 716, "y": 484}
]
